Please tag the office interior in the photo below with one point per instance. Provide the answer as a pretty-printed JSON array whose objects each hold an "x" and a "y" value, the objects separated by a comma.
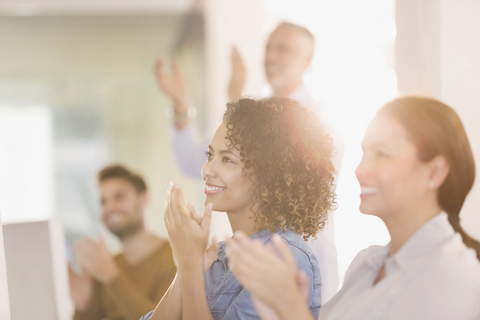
[{"x": 78, "y": 92}]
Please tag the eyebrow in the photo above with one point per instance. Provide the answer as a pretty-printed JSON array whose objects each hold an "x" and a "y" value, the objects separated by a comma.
[
  {"x": 376, "y": 145},
  {"x": 225, "y": 152}
]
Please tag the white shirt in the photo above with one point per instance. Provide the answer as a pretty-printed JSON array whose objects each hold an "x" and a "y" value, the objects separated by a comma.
[
  {"x": 433, "y": 276},
  {"x": 190, "y": 154}
]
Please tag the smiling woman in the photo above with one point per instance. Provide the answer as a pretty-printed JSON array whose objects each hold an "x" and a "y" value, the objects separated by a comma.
[{"x": 269, "y": 168}]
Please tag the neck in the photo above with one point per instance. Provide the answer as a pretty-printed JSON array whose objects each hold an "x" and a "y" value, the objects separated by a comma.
[
  {"x": 285, "y": 91},
  {"x": 139, "y": 245},
  {"x": 242, "y": 222},
  {"x": 402, "y": 225}
]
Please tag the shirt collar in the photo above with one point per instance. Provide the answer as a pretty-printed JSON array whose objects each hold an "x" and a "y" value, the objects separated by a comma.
[
  {"x": 424, "y": 241},
  {"x": 263, "y": 235}
]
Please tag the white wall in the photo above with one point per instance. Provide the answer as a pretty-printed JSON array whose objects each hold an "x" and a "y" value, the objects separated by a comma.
[
  {"x": 437, "y": 54},
  {"x": 459, "y": 39}
]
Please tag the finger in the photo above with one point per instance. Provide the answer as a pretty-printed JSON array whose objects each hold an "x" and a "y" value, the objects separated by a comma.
[
  {"x": 255, "y": 247},
  {"x": 160, "y": 67},
  {"x": 284, "y": 250},
  {"x": 235, "y": 53},
  {"x": 212, "y": 250},
  {"x": 270, "y": 248},
  {"x": 242, "y": 257},
  {"x": 197, "y": 217},
  {"x": 175, "y": 68},
  {"x": 82, "y": 246},
  {"x": 303, "y": 283},
  {"x": 84, "y": 267},
  {"x": 166, "y": 215},
  {"x": 173, "y": 209},
  {"x": 71, "y": 271},
  {"x": 177, "y": 200},
  {"x": 101, "y": 240},
  {"x": 207, "y": 217}
]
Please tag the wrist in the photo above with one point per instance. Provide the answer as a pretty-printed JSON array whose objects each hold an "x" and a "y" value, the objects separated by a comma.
[
  {"x": 192, "y": 265},
  {"x": 295, "y": 307},
  {"x": 182, "y": 114}
]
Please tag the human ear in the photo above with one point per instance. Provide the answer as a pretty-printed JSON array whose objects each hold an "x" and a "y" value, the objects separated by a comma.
[{"x": 439, "y": 171}]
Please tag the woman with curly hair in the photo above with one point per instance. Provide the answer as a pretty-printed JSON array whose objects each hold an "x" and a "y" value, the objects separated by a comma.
[{"x": 269, "y": 168}]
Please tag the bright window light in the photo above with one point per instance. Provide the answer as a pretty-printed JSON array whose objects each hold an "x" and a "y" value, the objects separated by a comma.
[
  {"x": 26, "y": 166},
  {"x": 353, "y": 74}
]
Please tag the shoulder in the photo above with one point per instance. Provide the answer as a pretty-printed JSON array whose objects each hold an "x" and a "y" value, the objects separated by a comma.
[
  {"x": 301, "y": 251},
  {"x": 456, "y": 264},
  {"x": 448, "y": 287},
  {"x": 299, "y": 247},
  {"x": 365, "y": 258}
]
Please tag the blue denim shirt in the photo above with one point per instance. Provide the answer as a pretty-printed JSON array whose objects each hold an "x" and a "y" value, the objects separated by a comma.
[{"x": 227, "y": 299}]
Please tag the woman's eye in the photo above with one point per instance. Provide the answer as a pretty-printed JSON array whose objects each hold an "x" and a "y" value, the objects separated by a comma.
[
  {"x": 209, "y": 155},
  {"x": 381, "y": 154},
  {"x": 226, "y": 159}
]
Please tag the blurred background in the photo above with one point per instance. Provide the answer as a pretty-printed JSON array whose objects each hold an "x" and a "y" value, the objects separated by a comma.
[{"x": 78, "y": 92}]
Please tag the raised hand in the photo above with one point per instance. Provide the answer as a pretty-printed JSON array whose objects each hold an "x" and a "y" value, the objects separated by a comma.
[
  {"x": 81, "y": 288},
  {"x": 237, "y": 80},
  {"x": 171, "y": 83},
  {"x": 210, "y": 254}
]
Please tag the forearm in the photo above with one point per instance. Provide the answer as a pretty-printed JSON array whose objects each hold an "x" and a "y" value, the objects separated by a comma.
[
  {"x": 194, "y": 298},
  {"x": 170, "y": 307}
]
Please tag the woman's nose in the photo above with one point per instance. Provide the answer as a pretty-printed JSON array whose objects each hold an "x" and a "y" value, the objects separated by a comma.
[
  {"x": 361, "y": 170},
  {"x": 208, "y": 169}
]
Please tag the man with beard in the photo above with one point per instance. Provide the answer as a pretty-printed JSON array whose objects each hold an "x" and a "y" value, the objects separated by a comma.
[
  {"x": 128, "y": 285},
  {"x": 288, "y": 55}
]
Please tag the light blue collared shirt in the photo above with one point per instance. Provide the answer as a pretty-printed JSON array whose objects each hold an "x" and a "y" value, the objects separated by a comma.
[{"x": 226, "y": 297}]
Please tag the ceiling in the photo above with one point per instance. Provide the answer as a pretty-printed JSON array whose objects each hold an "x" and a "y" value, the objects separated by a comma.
[{"x": 87, "y": 7}]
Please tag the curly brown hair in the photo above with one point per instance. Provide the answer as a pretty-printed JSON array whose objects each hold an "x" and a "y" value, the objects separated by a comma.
[{"x": 289, "y": 153}]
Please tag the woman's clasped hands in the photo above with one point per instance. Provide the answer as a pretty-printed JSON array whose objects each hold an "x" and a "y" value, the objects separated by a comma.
[{"x": 188, "y": 232}]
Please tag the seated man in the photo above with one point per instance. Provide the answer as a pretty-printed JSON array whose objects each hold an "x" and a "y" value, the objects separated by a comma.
[{"x": 130, "y": 284}]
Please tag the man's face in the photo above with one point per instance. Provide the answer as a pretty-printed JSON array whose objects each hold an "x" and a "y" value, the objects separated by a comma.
[
  {"x": 121, "y": 207},
  {"x": 287, "y": 57}
]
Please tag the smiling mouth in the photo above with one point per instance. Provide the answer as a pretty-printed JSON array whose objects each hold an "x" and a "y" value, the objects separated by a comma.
[
  {"x": 114, "y": 218},
  {"x": 365, "y": 191},
  {"x": 210, "y": 189},
  {"x": 272, "y": 68}
]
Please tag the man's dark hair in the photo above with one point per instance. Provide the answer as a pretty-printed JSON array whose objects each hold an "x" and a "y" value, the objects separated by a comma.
[{"x": 120, "y": 172}]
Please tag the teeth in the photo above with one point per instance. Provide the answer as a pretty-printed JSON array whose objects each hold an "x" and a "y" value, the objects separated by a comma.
[
  {"x": 368, "y": 190},
  {"x": 212, "y": 188}
]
